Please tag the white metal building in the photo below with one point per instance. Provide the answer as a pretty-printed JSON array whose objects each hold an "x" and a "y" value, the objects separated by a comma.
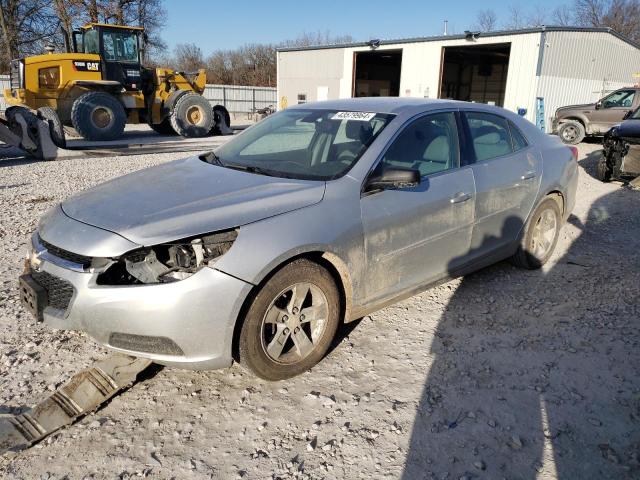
[{"x": 513, "y": 69}]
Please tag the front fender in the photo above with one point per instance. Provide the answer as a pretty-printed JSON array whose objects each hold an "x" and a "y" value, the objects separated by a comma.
[{"x": 332, "y": 228}]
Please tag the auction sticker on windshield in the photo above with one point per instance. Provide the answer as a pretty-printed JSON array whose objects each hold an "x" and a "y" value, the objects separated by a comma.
[{"x": 362, "y": 116}]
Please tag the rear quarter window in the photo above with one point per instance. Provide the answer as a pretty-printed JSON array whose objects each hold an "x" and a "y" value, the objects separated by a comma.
[{"x": 518, "y": 139}]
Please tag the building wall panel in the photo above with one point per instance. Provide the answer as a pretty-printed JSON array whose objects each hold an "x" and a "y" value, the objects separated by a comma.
[{"x": 582, "y": 67}]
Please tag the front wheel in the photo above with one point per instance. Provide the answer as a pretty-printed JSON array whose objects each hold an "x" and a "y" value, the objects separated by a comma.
[
  {"x": 571, "y": 132},
  {"x": 540, "y": 236},
  {"x": 291, "y": 322},
  {"x": 192, "y": 116}
]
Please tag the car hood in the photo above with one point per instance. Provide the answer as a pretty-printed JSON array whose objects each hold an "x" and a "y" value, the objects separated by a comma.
[
  {"x": 585, "y": 106},
  {"x": 629, "y": 129},
  {"x": 185, "y": 198}
]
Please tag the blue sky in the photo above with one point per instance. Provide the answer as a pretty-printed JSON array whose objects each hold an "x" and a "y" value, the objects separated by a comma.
[{"x": 226, "y": 24}]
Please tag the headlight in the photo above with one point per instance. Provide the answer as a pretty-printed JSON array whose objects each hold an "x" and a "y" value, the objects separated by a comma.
[{"x": 168, "y": 262}]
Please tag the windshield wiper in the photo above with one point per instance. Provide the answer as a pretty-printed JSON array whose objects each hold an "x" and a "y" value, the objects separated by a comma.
[
  {"x": 250, "y": 169},
  {"x": 212, "y": 158}
]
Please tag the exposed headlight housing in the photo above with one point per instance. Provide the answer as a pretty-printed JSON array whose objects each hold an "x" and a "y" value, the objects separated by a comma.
[{"x": 168, "y": 262}]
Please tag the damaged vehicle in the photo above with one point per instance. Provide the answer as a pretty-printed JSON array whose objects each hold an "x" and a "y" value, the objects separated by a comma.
[
  {"x": 319, "y": 214},
  {"x": 621, "y": 150}
]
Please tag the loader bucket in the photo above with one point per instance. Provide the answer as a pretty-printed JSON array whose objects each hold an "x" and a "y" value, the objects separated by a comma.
[{"x": 25, "y": 130}]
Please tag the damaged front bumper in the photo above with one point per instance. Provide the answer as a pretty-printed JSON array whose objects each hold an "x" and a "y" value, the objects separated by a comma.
[{"x": 187, "y": 323}]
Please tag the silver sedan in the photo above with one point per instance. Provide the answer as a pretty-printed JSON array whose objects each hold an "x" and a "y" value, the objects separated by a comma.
[{"x": 319, "y": 214}]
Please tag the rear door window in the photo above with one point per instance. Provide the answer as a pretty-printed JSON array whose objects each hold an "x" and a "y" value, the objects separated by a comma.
[{"x": 489, "y": 134}]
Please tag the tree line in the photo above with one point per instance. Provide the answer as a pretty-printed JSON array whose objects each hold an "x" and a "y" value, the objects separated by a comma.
[
  {"x": 251, "y": 64},
  {"x": 27, "y": 26},
  {"x": 623, "y": 16}
]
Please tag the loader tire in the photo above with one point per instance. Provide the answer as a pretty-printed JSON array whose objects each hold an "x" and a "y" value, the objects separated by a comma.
[
  {"x": 192, "y": 116},
  {"x": 55, "y": 126},
  {"x": 98, "y": 116},
  {"x": 163, "y": 128},
  {"x": 220, "y": 113}
]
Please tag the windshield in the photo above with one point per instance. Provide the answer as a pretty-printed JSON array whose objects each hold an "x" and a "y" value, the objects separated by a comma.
[
  {"x": 304, "y": 144},
  {"x": 120, "y": 46}
]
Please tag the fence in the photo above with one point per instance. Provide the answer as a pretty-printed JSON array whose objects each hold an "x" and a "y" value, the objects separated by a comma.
[{"x": 236, "y": 99}]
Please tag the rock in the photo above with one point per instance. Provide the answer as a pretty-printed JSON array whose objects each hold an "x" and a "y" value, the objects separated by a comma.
[
  {"x": 311, "y": 446},
  {"x": 153, "y": 460},
  {"x": 515, "y": 442},
  {"x": 480, "y": 465}
]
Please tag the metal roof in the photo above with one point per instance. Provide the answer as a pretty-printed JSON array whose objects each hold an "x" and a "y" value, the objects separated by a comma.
[
  {"x": 439, "y": 38},
  {"x": 91, "y": 25}
]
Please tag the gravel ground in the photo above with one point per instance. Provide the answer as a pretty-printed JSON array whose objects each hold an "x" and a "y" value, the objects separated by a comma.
[{"x": 502, "y": 374}]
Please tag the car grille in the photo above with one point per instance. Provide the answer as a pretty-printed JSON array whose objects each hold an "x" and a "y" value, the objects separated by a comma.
[
  {"x": 59, "y": 291},
  {"x": 15, "y": 74},
  {"x": 65, "y": 255}
]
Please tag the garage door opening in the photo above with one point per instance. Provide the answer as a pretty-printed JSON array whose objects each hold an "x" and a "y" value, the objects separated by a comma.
[
  {"x": 377, "y": 74},
  {"x": 476, "y": 73}
]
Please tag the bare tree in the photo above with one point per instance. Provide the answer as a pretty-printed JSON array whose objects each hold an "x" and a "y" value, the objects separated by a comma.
[
  {"x": 516, "y": 18},
  {"x": 188, "y": 57},
  {"x": 486, "y": 20},
  {"x": 26, "y": 26},
  {"x": 537, "y": 17},
  {"x": 563, "y": 16},
  {"x": 317, "y": 38},
  {"x": 623, "y": 16}
]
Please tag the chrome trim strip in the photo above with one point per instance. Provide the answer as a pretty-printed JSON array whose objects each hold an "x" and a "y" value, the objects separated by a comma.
[{"x": 43, "y": 254}]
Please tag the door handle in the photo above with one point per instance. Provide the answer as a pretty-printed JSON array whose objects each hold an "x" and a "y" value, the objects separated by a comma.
[
  {"x": 460, "y": 197},
  {"x": 528, "y": 176}
]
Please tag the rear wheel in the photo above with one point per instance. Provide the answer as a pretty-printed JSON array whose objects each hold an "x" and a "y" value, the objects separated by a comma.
[
  {"x": 571, "y": 132},
  {"x": 220, "y": 113},
  {"x": 291, "y": 322},
  {"x": 55, "y": 126},
  {"x": 192, "y": 116},
  {"x": 540, "y": 236},
  {"x": 164, "y": 127},
  {"x": 98, "y": 116}
]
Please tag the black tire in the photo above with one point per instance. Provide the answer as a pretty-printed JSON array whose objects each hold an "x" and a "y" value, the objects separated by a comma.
[
  {"x": 164, "y": 127},
  {"x": 571, "y": 132},
  {"x": 192, "y": 116},
  {"x": 528, "y": 255},
  {"x": 219, "y": 112},
  {"x": 603, "y": 171},
  {"x": 98, "y": 116},
  {"x": 55, "y": 126},
  {"x": 252, "y": 342}
]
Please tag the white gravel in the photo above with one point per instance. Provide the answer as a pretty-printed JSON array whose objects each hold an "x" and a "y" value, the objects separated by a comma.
[{"x": 503, "y": 374}]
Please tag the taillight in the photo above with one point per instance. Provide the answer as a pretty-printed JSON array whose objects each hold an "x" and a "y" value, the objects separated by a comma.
[{"x": 574, "y": 152}]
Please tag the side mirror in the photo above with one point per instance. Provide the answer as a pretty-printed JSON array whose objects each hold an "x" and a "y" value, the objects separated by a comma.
[
  {"x": 598, "y": 105},
  {"x": 393, "y": 178},
  {"x": 627, "y": 115}
]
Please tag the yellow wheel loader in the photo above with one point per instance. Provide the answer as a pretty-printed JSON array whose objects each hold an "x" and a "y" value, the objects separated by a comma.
[{"x": 97, "y": 87}]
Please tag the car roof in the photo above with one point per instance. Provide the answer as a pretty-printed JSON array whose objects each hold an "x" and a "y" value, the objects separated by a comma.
[{"x": 393, "y": 105}]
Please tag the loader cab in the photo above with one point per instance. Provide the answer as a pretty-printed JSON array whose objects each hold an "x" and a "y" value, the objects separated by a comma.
[{"x": 119, "y": 50}]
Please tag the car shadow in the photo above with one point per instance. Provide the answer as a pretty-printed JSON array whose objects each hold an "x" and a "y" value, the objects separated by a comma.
[
  {"x": 539, "y": 383},
  {"x": 590, "y": 162}
]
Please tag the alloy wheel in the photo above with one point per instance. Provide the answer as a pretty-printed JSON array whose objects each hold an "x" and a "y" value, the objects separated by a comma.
[
  {"x": 294, "y": 323},
  {"x": 544, "y": 233}
]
